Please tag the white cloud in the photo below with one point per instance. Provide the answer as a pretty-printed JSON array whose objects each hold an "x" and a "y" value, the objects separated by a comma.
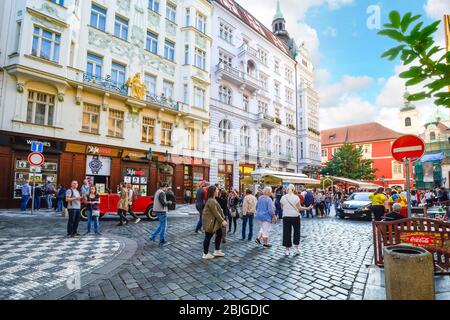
[
  {"x": 330, "y": 32},
  {"x": 436, "y": 9}
]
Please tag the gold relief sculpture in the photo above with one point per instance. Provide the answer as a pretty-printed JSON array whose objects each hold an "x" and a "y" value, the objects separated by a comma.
[{"x": 137, "y": 87}]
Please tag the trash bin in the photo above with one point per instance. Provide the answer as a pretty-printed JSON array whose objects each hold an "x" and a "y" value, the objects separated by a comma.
[{"x": 409, "y": 273}]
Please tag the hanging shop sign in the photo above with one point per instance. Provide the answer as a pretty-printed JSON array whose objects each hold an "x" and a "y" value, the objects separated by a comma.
[{"x": 98, "y": 166}]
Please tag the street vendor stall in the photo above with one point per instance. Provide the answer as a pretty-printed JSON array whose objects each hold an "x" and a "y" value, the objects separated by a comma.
[{"x": 270, "y": 177}]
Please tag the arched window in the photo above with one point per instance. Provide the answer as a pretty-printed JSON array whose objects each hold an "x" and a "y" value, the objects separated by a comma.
[
  {"x": 408, "y": 122},
  {"x": 289, "y": 148},
  {"x": 277, "y": 145},
  {"x": 263, "y": 140},
  {"x": 225, "y": 131},
  {"x": 433, "y": 135},
  {"x": 225, "y": 95},
  {"x": 245, "y": 137}
]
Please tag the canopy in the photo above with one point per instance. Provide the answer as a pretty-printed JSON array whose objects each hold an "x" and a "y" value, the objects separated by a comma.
[
  {"x": 285, "y": 176},
  {"x": 361, "y": 184},
  {"x": 432, "y": 157}
]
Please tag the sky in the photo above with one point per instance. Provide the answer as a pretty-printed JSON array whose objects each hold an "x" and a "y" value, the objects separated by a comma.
[{"x": 354, "y": 84}]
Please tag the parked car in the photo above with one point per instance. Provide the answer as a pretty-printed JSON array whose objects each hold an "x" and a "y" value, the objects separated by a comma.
[
  {"x": 143, "y": 205},
  {"x": 357, "y": 206}
]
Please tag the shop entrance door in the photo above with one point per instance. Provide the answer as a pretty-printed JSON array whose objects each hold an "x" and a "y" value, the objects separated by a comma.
[
  {"x": 165, "y": 174},
  {"x": 100, "y": 182}
]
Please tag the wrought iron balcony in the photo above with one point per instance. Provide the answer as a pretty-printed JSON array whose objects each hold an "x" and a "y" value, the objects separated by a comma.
[
  {"x": 105, "y": 83},
  {"x": 162, "y": 101}
]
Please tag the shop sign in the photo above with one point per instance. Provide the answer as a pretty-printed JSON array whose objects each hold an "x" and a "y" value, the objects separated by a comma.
[
  {"x": 43, "y": 143},
  {"x": 421, "y": 239},
  {"x": 98, "y": 166},
  {"x": 134, "y": 155},
  {"x": 98, "y": 150},
  {"x": 135, "y": 172}
]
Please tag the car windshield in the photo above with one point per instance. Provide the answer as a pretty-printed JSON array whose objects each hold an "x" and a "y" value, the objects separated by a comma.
[{"x": 359, "y": 196}]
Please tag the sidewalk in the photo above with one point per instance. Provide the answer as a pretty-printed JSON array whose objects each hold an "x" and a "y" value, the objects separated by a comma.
[{"x": 375, "y": 289}]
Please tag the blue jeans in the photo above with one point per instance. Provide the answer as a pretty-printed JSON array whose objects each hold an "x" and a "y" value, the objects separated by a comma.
[
  {"x": 24, "y": 203},
  {"x": 327, "y": 208},
  {"x": 59, "y": 205},
  {"x": 37, "y": 203},
  {"x": 199, "y": 223},
  {"x": 248, "y": 218},
  {"x": 49, "y": 199},
  {"x": 161, "y": 230},
  {"x": 91, "y": 219}
]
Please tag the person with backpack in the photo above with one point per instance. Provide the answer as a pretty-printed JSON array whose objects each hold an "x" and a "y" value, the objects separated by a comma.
[
  {"x": 160, "y": 208},
  {"x": 200, "y": 200},
  {"x": 49, "y": 190},
  {"x": 132, "y": 196},
  {"x": 73, "y": 198},
  {"x": 60, "y": 197}
]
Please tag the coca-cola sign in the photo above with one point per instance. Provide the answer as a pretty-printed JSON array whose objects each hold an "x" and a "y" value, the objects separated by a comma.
[{"x": 421, "y": 239}]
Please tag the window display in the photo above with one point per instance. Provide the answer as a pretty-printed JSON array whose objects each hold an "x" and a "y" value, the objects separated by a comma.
[
  {"x": 138, "y": 177},
  {"x": 22, "y": 175}
]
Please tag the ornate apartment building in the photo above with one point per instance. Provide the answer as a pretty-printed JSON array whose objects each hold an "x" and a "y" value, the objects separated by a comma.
[
  {"x": 262, "y": 99},
  {"x": 116, "y": 89}
]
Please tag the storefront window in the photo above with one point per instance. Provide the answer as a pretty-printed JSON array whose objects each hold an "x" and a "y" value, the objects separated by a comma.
[
  {"x": 165, "y": 174},
  {"x": 98, "y": 171},
  {"x": 138, "y": 179},
  {"x": 22, "y": 175}
]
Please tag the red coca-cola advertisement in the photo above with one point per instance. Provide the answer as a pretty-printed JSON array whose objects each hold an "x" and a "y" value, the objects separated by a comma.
[{"x": 421, "y": 239}]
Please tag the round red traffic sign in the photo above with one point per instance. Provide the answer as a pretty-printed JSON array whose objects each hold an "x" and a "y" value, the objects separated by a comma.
[
  {"x": 408, "y": 147},
  {"x": 36, "y": 158}
]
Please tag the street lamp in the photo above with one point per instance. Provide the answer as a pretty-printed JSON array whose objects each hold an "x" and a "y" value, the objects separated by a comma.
[{"x": 327, "y": 177}]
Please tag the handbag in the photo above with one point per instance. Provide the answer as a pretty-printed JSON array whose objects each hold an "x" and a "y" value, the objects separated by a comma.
[{"x": 95, "y": 213}]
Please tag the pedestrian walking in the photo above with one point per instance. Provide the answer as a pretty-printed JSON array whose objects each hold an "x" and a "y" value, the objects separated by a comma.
[
  {"x": 378, "y": 199},
  {"x": 309, "y": 200},
  {"x": 233, "y": 201},
  {"x": 160, "y": 208},
  {"x": 223, "y": 202},
  {"x": 291, "y": 210},
  {"x": 200, "y": 201},
  {"x": 265, "y": 212},
  {"x": 49, "y": 190},
  {"x": 92, "y": 210},
  {"x": 60, "y": 196},
  {"x": 37, "y": 197},
  {"x": 328, "y": 202},
  {"x": 248, "y": 213},
  {"x": 26, "y": 195},
  {"x": 132, "y": 196},
  {"x": 122, "y": 206},
  {"x": 319, "y": 204},
  {"x": 187, "y": 196},
  {"x": 278, "y": 195},
  {"x": 213, "y": 221},
  {"x": 73, "y": 198}
]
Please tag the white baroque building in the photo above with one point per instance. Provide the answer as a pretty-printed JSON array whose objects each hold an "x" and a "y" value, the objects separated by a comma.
[
  {"x": 264, "y": 110},
  {"x": 64, "y": 66}
]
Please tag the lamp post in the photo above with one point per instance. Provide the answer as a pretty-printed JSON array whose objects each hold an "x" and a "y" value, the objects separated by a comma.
[{"x": 327, "y": 178}]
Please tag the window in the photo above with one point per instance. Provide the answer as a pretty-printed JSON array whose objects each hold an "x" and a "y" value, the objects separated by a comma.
[
  {"x": 18, "y": 36},
  {"x": 186, "y": 93},
  {"x": 277, "y": 111},
  {"x": 150, "y": 83},
  {"x": 289, "y": 118},
  {"x": 72, "y": 54},
  {"x": 225, "y": 131},
  {"x": 191, "y": 138},
  {"x": 288, "y": 74},
  {"x": 118, "y": 72},
  {"x": 200, "y": 59},
  {"x": 408, "y": 122},
  {"x": 290, "y": 148},
  {"x": 277, "y": 67},
  {"x": 121, "y": 28},
  {"x": 263, "y": 140},
  {"x": 60, "y": 2},
  {"x": 263, "y": 107},
  {"x": 152, "y": 42},
  {"x": 46, "y": 44},
  {"x": 226, "y": 32},
  {"x": 171, "y": 12},
  {"x": 432, "y": 135},
  {"x": 277, "y": 145},
  {"x": 225, "y": 94},
  {"x": 245, "y": 137},
  {"x": 148, "y": 130},
  {"x": 188, "y": 17},
  {"x": 324, "y": 153},
  {"x": 397, "y": 168},
  {"x": 277, "y": 89},
  {"x": 245, "y": 103},
  {"x": 98, "y": 17},
  {"x": 153, "y": 5},
  {"x": 166, "y": 133},
  {"x": 199, "y": 97},
  {"x": 169, "y": 50},
  {"x": 200, "y": 22},
  {"x": 186, "y": 54},
  {"x": 91, "y": 117},
  {"x": 289, "y": 95},
  {"x": 225, "y": 59},
  {"x": 262, "y": 56},
  {"x": 168, "y": 89},
  {"x": 41, "y": 108},
  {"x": 264, "y": 81},
  {"x": 94, "y": 66},
  {"x": 115, "y": 124}
]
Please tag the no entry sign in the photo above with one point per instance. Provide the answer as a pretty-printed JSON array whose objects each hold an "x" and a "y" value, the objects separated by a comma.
[
  {"x": 408, "y": 147},
  {"x": 36, "y": 158}
]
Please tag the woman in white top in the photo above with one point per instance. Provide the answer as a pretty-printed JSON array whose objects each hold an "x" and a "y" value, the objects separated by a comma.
[{"x": 291, "y": 219}]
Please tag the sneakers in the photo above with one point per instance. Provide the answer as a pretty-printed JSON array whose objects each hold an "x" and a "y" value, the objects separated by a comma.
[
  {"x": 208, "y": 256},
  {"x": 286, "y": 252},
  {"x": 196, "y": 233},
  {"x": 137, "y": 220},
  {"x": 267, "y": 246},
  {"x": 258, "y": 241},
  {"x": 218, "y": 253},
  {"x": 297, "y": 252}
]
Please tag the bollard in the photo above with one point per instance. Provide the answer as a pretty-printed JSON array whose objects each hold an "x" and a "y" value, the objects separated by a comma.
[{"x": 409, "y": 273}]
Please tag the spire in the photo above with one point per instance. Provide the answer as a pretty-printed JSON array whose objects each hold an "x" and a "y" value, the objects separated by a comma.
[
  {"x": 407, "y": 105},
  {"x": 278, "y": 14}
]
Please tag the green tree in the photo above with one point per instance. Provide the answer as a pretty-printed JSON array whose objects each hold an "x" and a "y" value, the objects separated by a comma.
[
  {"x": 348, "y": 162},
  {"x": 417, "y": 45}
]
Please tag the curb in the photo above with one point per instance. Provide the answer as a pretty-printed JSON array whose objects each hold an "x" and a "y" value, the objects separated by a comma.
[{"x": 127, "y": 250}]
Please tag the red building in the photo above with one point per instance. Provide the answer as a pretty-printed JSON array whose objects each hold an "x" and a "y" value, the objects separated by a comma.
[{"x": 376, "y": 141}]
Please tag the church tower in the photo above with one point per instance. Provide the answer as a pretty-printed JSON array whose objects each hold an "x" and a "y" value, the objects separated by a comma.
[
  {"x": 279, "y": 25},
  {"x": 409, "y": 117}
]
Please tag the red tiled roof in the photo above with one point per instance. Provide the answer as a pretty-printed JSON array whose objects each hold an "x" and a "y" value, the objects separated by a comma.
[{"x": 365, "y": 132}]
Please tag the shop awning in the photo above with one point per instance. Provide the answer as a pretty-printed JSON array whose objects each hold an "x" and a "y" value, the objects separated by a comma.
[
  {"x": 361, "y": 184},
  {"x": 289, "y": 177},
  {"x": 433, "y": 157}
]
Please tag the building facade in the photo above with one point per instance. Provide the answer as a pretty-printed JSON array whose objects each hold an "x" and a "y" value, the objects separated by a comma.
[
  {"x": 376, "y": 142},
  {"x": 254, "y": 97},
  {"x": 116, "y": 90}
]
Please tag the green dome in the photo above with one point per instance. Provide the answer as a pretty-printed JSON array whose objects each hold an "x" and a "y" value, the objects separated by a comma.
[
  {"x": 438, "y": 116},
  {"x": 278, "y": 15}
]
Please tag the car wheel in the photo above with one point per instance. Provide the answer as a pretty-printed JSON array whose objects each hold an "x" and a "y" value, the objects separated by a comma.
[
  {"x": 341, "y": 216},
  {"x": 83, "y": 214},
  {"x": 150, "y": 214}
]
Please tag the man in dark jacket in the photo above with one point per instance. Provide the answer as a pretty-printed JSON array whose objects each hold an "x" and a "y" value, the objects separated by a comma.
[
  {"x": 309, "y": 200},
  {"x": 200, "y": 201}
]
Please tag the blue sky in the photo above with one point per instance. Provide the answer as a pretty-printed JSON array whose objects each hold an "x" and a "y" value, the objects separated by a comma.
[{"x": 354, "y": 84}]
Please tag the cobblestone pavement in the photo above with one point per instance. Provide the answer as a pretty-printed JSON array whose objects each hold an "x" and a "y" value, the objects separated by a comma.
[{"x": 332, "y": 264}]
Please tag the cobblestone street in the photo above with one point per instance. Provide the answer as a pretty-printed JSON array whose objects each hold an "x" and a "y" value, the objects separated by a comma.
[{"x": 332, "y": 264}]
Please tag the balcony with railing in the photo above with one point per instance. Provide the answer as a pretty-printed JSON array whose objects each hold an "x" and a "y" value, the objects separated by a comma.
[
  {"x": 264, "y": 120},
  {"x": 162, "y": 101},
  {"x": 105, "y": 84},
  {"x": 238, "y": 77},
  {"x": 246, "y": 50}
]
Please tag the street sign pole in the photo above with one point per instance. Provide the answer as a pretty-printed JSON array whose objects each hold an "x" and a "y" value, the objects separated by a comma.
[
  {"x": 32, "y": 196},
  {"x": 408, "y": 187}
]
